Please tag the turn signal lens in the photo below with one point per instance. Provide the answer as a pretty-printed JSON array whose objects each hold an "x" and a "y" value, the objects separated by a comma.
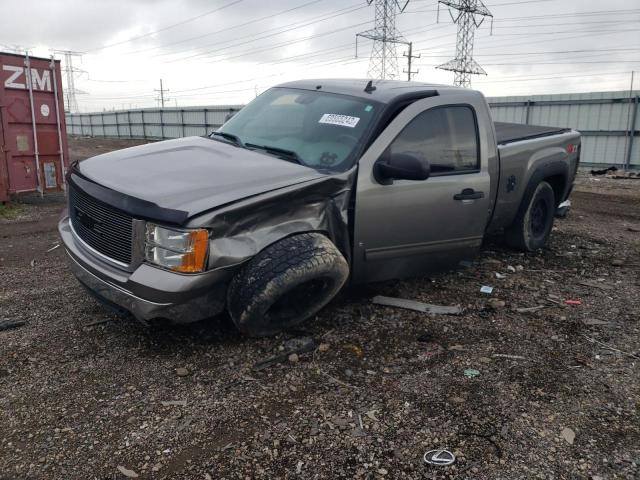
[{"x": 182, "y": 251}]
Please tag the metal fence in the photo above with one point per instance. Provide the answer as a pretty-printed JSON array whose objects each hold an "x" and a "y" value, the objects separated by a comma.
[
  {"x": 609, "y": 122},
  {"x": 154, "y": 124}
]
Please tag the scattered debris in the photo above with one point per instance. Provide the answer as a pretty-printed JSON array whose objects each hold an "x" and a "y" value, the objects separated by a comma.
[
  {"x": 511, "y": 269},
  {"x": 486, "y": 289},
  {"x": 293, "y": 346},
  {"x": 500, "y": 276},
  {"x": 616, "y": 262},
  {"x": 573, "y": 302},
  {"x": 324, "y": 347},
  {"x": 610, "y": 347},
  {"x": 32, "y": 263},
  {"x": 355, "y": 349},
  {"x": 600, "y": 285},
  {"x": 594, "y": 321},
  {"x": 126, "y": 472},
  {"x": 371, "y": 414},
  {"x": 569, "y": 435},
  {"x": 9, "y": 324},
  {"x": 604, "y": 171},
  {"x": 293, "y": 358},
  {"x": 182, "y": 372},
  {"x": 510, "y": 357},
  {"x": 531, "y": 309},
  {"x": 471, "y": 373},
  {"x": 496, "y": 304},
  {"x": 417, "y": 306},
  {"x": 53, "y": 248},
  {"x": 633, "y": 229},
  {"x": 563, "y": 209},
  {"x": 440, "y": 458},
  {"x": 300, "y": 345},
  {"x": 174, "y": 403}
]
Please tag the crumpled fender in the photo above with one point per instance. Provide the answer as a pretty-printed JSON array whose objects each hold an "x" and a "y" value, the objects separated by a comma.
[{"x": 242, "y": 229}]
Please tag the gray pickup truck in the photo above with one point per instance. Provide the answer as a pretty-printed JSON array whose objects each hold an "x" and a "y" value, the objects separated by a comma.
[{"x": 313, "y": 185}]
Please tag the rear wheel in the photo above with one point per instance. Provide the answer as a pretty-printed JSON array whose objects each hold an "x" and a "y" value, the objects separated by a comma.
[
  {"x": 532, "y": 226},
  {"x": 285, "y": 284}
]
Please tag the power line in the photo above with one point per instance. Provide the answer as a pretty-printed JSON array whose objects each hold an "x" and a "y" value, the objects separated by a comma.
[
  {"x": 226, "y": 29},
  {"x": 148, "y": 34},
  {"x": 536, "y": 78},
  {"x": 305, "y": 55},
  {"x": 256, "y": 38}
]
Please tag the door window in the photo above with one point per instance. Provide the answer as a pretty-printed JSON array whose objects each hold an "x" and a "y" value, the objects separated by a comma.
[{"x": 446, "y": 136}]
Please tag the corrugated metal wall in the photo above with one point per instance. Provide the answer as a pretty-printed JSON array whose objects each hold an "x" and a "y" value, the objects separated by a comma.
[
  {"x": 602, "y": 118},
  {"x": 150, "y": 123}
]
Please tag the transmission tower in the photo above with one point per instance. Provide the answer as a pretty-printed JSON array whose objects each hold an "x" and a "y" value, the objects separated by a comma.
[
  {"x": 70, "y": 90},
  {"x": 471, "y": 14},
  {"x": 161, "y": 98},
  {"x": 383, "y": 63}
]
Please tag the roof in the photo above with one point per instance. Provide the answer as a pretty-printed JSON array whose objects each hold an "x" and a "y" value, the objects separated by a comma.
[
  {"x": 385, "y": 92},
  {"x": 22, "y": 55}
]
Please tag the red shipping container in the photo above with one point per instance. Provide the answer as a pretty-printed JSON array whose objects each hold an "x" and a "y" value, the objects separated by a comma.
[{"x": 34, "y": 154}]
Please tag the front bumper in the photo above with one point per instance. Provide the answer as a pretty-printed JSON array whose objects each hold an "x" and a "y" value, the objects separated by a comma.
[{"x": 148, "y": 293}]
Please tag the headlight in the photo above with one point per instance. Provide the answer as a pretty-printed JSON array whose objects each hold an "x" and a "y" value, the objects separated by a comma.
[{"x": 179, "y": 250}]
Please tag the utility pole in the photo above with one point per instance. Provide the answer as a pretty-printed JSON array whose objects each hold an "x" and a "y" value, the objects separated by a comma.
[
  {"x": 69, "y": 70},
  {"x": 628, "y": 137},
  {"x": 162, "y": 92},
  {"x": 383, "y": 63},
  {"x": 410, "y": 56},
  {"x": 471, "y": 14}
]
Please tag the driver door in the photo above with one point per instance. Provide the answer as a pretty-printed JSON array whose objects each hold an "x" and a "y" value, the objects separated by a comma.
[{"x": 416, "y": 227}]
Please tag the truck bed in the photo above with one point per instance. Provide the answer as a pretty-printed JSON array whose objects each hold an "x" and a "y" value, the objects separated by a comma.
[{"x": 516, "y": 132}]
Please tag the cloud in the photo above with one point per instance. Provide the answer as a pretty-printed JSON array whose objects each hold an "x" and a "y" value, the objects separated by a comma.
[{"x": 247, "y": 45}]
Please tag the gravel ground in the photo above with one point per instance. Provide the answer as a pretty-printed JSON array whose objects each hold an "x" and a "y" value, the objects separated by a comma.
[{"x": 83, "y": 394}]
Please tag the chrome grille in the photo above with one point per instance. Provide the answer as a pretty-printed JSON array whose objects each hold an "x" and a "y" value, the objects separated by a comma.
[{"x": 103, "y": 228}]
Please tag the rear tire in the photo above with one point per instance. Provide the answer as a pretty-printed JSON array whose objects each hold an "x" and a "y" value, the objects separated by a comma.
[
  {"x": 285, "y": 284},
  {"x": 531, "y": 229}
]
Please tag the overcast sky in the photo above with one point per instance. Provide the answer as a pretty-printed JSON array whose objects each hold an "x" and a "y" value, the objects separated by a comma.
[{"x": 226, "y": 51}]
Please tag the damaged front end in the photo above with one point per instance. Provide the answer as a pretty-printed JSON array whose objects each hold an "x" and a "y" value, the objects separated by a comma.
[
  {"x": 237, "y": 231},
  {"x": 241, "y": 230}
]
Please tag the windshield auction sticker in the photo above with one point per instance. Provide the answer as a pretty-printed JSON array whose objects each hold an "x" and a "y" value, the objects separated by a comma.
[{"x": 342, "y": 120}]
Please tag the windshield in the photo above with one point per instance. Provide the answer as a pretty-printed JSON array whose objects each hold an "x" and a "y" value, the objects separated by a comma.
[{"x": 317, "y": 129}]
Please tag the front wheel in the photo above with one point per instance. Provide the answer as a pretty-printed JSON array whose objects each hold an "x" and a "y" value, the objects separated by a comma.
[
  {"x": 285, "y": 284},
  {"x": 531, "y": 229}
]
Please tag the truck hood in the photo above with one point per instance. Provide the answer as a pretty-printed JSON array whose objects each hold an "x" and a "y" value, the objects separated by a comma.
[{"x": 192, "y": 174}]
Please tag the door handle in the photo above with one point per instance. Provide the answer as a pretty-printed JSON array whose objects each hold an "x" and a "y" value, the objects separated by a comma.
[{"x": 468, "y": 194}]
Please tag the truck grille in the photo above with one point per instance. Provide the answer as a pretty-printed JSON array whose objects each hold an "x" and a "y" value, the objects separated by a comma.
[{"x": 103, "y": 228}]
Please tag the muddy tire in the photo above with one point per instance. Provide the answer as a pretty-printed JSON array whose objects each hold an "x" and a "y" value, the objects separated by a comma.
[
  {"x": 531, "y": 229},
  {"x": 285, "y": 284}
]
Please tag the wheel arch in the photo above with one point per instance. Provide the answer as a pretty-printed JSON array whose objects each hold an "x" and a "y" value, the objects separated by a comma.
[{"x": 555, "y": 174}]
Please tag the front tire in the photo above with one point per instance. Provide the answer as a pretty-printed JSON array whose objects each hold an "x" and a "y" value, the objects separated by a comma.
[
  {"x": 531, "y": 229},
  {"x": 285, "y": 284}
]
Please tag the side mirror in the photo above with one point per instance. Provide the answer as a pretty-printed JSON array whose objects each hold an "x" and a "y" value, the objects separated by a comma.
[{"x": 402, "y": 166}]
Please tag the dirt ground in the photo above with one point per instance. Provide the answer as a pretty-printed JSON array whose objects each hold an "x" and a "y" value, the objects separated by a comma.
[{"x": 556, "y": 394}]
